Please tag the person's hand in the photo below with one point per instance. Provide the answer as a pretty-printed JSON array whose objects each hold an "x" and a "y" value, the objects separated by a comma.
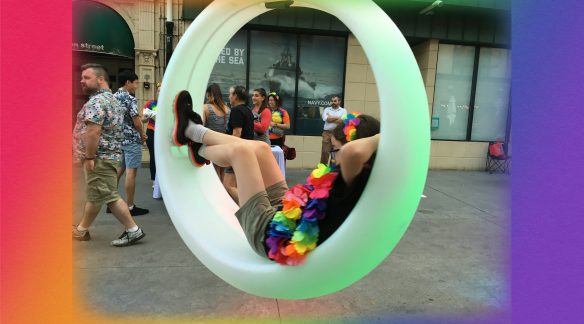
[
  {"x": 144, "y": 137},
  {"x": 89, "y": 165}
]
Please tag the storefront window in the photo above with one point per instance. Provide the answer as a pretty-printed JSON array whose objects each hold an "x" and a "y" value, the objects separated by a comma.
[
  {"x": 306, "y": 83},
  {"x": 230, "y": 67},
  {"x": 273, "y": 66},
  {"x": 492, "y": 95},
  {"x": 322, "y": 63},
  {"x": 453, "y": 91}
]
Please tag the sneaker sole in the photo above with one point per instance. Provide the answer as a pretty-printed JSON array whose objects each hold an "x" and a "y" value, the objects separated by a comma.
[
  {"x": 175, "y": 110},
  {"x": 193, "y": 157},
  {"x": 133, "y": 242},
  {"x": 82, "y": 239},
  {"x": 140, "y": 214}
]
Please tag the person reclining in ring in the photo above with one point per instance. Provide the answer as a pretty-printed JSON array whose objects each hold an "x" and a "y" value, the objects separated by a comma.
[{"x": 280, "y": 223}]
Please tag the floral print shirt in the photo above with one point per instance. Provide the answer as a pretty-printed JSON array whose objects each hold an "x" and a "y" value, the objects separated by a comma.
[
  {"x": 130, "y": 105},
  {"x": 102, "y": 109}
]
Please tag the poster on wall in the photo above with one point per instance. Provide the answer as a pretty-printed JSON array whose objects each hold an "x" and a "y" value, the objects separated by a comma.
[
  {"x": 322, "y": 68},
  {"x": 231, "y": 64},
  {"x": 273, "y": 66}
]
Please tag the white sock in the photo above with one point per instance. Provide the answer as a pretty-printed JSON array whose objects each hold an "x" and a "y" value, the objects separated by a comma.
[
  {"x": 202, "y": 150},
  {"x": 133, "y": 229},
  {"x": 131, "y": 207},
  {"x": 195, "y": 132},
  {"x": 81, "y": 228}
]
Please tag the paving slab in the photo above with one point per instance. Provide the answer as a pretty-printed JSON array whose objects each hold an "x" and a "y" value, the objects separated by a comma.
[{"x": 452, "y": 262}]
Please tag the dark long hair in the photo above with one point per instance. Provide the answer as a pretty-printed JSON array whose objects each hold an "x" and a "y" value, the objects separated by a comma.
[
  {"x": 368, "y": 126},
  {"x": 276, "y": 97},
  {"x": 214, "y": 91},
  {"x": 264, "y": 104}
]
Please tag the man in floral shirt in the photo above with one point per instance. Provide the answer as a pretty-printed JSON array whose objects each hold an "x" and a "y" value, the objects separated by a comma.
[
  {"x": 134, "y": 136},
  {"x": 96, "y": 145}
]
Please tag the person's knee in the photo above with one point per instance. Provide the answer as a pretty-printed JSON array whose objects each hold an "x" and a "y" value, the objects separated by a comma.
[
  {"x": 131, "y": 173},
  {"x": 262, "y": 147},
  {"x": 244, "y": 149}
]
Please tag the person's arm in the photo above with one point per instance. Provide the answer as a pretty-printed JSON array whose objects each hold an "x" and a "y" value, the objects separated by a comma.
[
  {"x": 352, "y": 156},
  {"x": 329, "y": 119},
  {"x": 285, "y": 120},
  {"x": 205, "y": 114},
  {"x": 147, "y": 112},
  {"x": 139, "y": 127},
  {"x": 262, "y": 126},
  {"x": 286, "y": 124},
  {"x": 91, "y": 139},
  {"x": 137, "y": 117},
  {"x": 236, "y": 122},
  {"x": 335, "y": 120}
]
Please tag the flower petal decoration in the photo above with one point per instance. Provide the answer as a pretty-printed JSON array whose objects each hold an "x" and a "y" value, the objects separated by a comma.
[{"x": 293, "y": 231}]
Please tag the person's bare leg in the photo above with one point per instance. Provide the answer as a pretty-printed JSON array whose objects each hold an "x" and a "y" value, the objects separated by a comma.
[
  {"x": 121, "y": 171},
  {"x": 242, "y": 157},
  {"x": 230, "y": 184},
  {"x": 269, "y": 168},
  {"x": 218, "y": 171},
  {"x": 130, "y": 185},
  {"x": 120, "y": 210},
  {"x": 79, "y": 188},
  {"x": 212, "y": 137},
  {"x": 89, "y": 214}
]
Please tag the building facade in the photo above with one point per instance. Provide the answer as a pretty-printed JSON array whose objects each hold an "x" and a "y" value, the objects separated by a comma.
[{"x": 462, "y": 48}]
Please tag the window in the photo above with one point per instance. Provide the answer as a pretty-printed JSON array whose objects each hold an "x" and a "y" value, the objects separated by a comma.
[
  {"x": 322, "y": 62},
  {"x": 492, "y": 95},
  {"x": 273, "y": 66},
  {"x": 452, "y": 91},
  {"x": 231, "y": 65},
  {"x": 471, "y": 98},
  {"x": 306, "y": 70}
]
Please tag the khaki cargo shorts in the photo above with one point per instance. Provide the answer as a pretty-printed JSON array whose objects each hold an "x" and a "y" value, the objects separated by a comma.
[
  {"x": 102, "y": 182},
  {"x": 257, "y": 213}
]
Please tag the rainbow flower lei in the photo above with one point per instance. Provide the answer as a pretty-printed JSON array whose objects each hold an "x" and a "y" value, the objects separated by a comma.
[
  {"x": 351, "y": 122},
  {"x": 293, "y": 232}
]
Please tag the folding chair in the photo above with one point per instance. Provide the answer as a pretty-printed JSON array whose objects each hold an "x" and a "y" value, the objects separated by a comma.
[{"x": 497, "y": 158}]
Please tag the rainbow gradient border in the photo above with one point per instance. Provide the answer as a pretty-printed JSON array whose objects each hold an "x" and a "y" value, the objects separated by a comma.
[{"x": 35, "y": 165}]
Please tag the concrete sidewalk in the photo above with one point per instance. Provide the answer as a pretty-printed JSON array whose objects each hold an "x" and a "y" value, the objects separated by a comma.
[{"x": 451, "y": 263}]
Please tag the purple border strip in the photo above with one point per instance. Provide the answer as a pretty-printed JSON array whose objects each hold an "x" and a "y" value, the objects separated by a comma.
[{"x": 547, "y": 216}]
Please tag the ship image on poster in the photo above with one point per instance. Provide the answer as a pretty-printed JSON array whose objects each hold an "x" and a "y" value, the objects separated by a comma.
[{"x": 284, "y": 71}]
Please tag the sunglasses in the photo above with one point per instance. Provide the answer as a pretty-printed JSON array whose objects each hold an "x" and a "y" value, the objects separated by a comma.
[{"x": 333, "y": 152}]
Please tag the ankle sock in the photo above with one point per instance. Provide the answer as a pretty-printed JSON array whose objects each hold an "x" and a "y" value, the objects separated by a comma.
[
  {"x": 81, "y": 228},
  {"x": 195, "y": 132},
  {"x": 131, "y": 207},
  {"x": 202, "y": 151},
  {"x": 133, "y": 229}
]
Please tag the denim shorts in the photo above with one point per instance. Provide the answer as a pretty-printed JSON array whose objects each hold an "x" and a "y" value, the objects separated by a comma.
[{"x": 131, "y": 156}]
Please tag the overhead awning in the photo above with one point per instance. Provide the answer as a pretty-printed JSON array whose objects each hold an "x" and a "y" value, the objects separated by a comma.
[{"x": 98, "y": 28}]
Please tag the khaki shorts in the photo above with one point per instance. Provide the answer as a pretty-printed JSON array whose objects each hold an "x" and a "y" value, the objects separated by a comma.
[
  {"x": 102, "y": 182},
  {"x": 257, "y": 213}
]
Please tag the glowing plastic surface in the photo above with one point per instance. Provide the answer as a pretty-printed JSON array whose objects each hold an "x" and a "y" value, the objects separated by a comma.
[{"x": 203, "y": 213}]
